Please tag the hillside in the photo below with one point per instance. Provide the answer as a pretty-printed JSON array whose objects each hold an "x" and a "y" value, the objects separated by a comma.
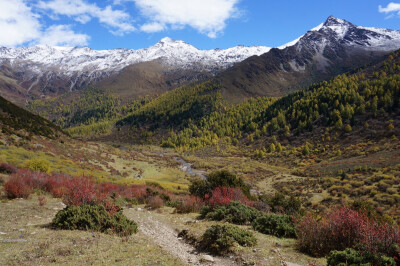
[
  {"x": 150, "y": 79},
  {"x": 345, "y": 103},
  {"x": 15, "y": 120},
  {"x": 333, "y": 48}
]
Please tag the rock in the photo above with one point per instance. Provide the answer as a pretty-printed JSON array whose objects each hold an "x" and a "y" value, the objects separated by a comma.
[
  {"x": 277, "y": 244},
  {"x": 2, "y": 233},
  {"x": 276, "y": 250},
  {"x": 139, "y": 209},
  {"x": 38, "y": 146},
  {"x": 207, "y": 258}
]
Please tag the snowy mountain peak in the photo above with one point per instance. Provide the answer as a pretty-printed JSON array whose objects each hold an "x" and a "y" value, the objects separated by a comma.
[
  {"x": 167, "y": 40},
  {"x": 333, "y": 21},
  {"x": 341, "y": 30}
]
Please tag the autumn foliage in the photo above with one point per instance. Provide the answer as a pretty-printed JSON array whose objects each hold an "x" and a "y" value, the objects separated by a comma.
[
  {"x": 345, "y": 228},
  {"x": 225, "y": 195}
]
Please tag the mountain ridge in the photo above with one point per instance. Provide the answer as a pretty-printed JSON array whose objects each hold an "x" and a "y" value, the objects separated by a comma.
[{"x": 332, "y": 48}]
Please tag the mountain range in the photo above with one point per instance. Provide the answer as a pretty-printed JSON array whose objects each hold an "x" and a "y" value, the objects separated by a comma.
[{"x": 332, "y": 48}]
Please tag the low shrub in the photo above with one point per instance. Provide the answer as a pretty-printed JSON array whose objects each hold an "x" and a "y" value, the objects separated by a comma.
[
  {"x": 340, "y": 229},
  {"x": 225, "y": 195},
  {"x": 38, "y": 165},
  {"x": 276, "y": 225},
  {"x": 234, "y": 212},
  {"x": 94, "y": 217},
  {"x": 346, "y": 228},
  {"x": 81, "y": 190},
  {"x": 280, "y": 203},
  {"x": 154, "y": 202},
  {"x": 188, "y": 204},
  {"x": 7, "y": 168},
  {"x": 353, "y": 257},
  {"x": 134, "y": 192},
  {"x": 16, "y": 187},
  {"x": 220, "y": 239},
  {"x": 223, "y": 178}
]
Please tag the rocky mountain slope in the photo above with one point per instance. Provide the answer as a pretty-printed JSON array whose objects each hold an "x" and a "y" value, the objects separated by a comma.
[
  {"x": 47, "y": 71},
  {"x": 332, "y": 48}
]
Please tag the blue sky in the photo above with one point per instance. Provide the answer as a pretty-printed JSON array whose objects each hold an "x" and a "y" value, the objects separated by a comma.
[{"x": 206, "y": 24}]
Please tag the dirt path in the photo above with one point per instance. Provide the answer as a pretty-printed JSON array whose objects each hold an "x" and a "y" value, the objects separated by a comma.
[{"x": 167, "y": 238}]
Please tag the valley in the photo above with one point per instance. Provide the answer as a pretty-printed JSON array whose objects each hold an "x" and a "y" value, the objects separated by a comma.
[{"x": 243, "y": 156}]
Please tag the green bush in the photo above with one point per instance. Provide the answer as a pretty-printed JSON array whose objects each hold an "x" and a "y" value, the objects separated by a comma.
[
  {"x": 234, "y": 212},
  {"x": 350, "y": 256},
  {"x": 283, "y": 204},
  {"x": 94, "y": 217},
  {"x": 38, "y": 165},
  {"x": 276, "y": 225},
  {"x": 221, "y": 238},
  {"x": 216, "y": 179}
]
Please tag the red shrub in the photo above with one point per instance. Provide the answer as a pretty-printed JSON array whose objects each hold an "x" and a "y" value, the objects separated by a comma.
[
  {"x": 137, "y": 192},
  {"x": 379, "y": 237},
  {"x": 189, "y": 204},
  {"x": 56, "y": 185},
  {"x": 17, "y": 188},
  {"x": 108, "y": 188},
  {"x": 345, "y": 228},
  {"x": 224, "y": 195},
  {"x": 22, "y": 183},
  {"x": 80, "y": 190}
]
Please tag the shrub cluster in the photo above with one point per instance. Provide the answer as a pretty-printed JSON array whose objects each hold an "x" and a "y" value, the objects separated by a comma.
[
  {"x": 77, "y": 190},
  {"x": 219, "y": 239},
  {"x": 223, "y": 178},
  {"x": 346, "y": 228},
  {"x": 94, "y": 217},
  {"x": 189, "y": 203},
  {"x": 234, "y": 212},
  {"x": 225, "y": 195},
  {"x": 276, "y": 225},
  {"x": 351, "y": 256},
  {"x": 280, "y": 203}
]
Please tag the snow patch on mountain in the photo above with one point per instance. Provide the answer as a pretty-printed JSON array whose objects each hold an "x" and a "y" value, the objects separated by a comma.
[{"x": 69, "y": 60}]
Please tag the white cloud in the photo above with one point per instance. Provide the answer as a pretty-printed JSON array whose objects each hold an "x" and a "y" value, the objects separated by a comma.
[
  {"x": 18, "y": 24},
  {"x": 152, "y": 27},
  {"x": 390, "y": 8},
  {"x": 118, "y": 21},
  {"x": 207, "y": 16},
  {"x": 62, "y": 35}
]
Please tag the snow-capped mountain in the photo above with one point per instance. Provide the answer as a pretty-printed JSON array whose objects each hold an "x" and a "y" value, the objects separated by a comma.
[
  {"x": 68, "y": 60},
  {"x": 42, "y": 70},
  {"x": 352, "y": 35},
  {"x": 331, "y": 48}
]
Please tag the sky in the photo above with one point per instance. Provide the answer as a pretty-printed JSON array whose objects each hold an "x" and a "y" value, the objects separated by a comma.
[{"x": 206, "y": 24}]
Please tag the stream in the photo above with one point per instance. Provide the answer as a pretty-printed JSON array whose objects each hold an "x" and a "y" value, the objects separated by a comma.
[{"x": 187, "y": 168}]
